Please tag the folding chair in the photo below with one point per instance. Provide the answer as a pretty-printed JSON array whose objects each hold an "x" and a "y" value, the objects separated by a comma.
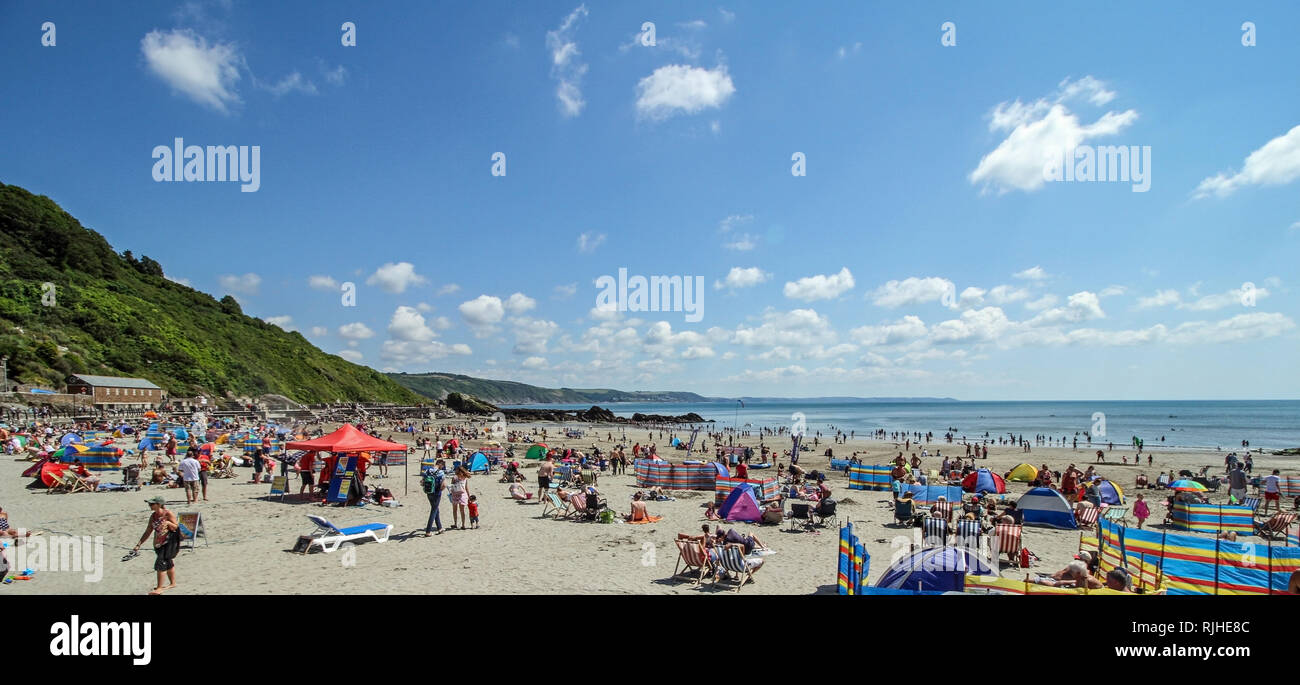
[
  {"x": 943, "y": 510},
  {"x": 1008, "y": 536},
  {"x": 1275, "y": 528},
  {"x": 800, "y": 512},
  {"x": 330, "y": 537},
  {"x": 692, "y": 558},
  {"x": 1253, "y": 503},
  {"x": 1087, "y": 516},
  {"x": 904, "y": 512},
  {"x": 577, "y": 506},
  {"x": 554, "y": 505},
  {"x": 935, "y": 532},
  {"x": 731, "y": 559},
  {"x": 969, "y": 533},
  {"x": 825, "y": 511},
  {"x": 1115, "y": 514}
]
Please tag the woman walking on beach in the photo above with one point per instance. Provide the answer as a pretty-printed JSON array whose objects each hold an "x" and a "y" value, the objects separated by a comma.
[
  {"x": 166, "y": 542},
  {"x": 460, "y": 498}
]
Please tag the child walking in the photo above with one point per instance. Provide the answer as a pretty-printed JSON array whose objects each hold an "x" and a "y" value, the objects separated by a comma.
[
  {"x": 1141, "y": 511},
  {"x": 473, "y": 510}
]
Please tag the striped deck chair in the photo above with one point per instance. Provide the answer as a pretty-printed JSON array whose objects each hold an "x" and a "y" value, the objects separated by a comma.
[
  {"x": 1087, "y": 516},
  {"x": 577, "y": 506},
  {"x": 732, "y": 560},
  {"x": 969, "y": 533},
  {"x": 935, "y": 532},
  {"x": 943, "y": 510},
  {"x": 1275, "y": 528},
  {"x": 554, "y": 505},
  {"x": 692, "y": 559},
  {"x": 1008, "y": 537},
  {"x": 1115, "y": 514},
  {"x": 1253, "y": 503}
]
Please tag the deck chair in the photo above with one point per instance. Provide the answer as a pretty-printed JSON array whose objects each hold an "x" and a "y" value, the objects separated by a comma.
[
  {"x": 904, "y": 512},
  {"x": 943, "y": 510},
  {"x": 1087, "y": 516},
  {"x": 577, "y": 506},
  {"x": 731, "y": 559},
  {"x": 554, "y": 505},
  {"x": 969, "y": 532},
  {"x": 1115, "y": 514},
  {"x": 1008, "y": 537},
  {"x": 935, "y": 532},
  {"x": 1253, "y": 503},
  {"x": 329, "y": 537},
  {"x": 1162, "y": 481},
  {"x": 798, "y": 513},
  {"x": 68, "y": 482},
  {"x": 1275, "y": 528},
  {"x": 692, "y": 558},
  {"x": 589, "y": 476}
]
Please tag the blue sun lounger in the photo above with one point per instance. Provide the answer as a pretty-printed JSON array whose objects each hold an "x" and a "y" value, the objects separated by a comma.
[{"x": 330, "y": 537}]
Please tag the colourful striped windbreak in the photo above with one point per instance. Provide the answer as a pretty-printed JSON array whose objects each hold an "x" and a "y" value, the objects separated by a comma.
[
  {"x": 101, "y": 458},
  {"x": 1193, "y": 565},
  {"x": 767, "y": 488},
  {"x": 491, "y": 453},
  {"x": 95, "y": 436},
  {"x": 651, "y": 473},
  {"x": 840, "y": 464},
  {"x": 854, "y": 563},
  {"x": 1289, "y": 485},
  {"x": 869, "y": 477},
  {"x": 1212, "y": 518}
]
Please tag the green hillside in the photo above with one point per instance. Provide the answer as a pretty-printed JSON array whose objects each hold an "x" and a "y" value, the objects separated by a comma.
[
  {"x": 116, "y": 314},
  {"x": 439, "y": 385}
]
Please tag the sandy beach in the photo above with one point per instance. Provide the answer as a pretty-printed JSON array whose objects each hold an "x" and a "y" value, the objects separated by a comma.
[{"x": 516, "y": 550}]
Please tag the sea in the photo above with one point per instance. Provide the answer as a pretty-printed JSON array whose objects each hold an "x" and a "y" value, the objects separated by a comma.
[{"x": 1184, "y": 424}]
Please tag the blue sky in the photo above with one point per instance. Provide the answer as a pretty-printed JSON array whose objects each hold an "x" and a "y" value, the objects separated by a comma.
[{"x": 922, "y": 179}]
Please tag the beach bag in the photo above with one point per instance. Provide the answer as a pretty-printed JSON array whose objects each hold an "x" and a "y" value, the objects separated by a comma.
[{"x": 431, "y": 483}]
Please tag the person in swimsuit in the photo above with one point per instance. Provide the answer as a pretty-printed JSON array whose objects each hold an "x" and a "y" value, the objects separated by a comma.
[
  {"x": 5, "y": 530},
  {"x": 162, "y": 523}
]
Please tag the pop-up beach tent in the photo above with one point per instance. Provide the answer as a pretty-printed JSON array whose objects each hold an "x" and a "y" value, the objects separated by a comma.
[
  {"x": 1023, "y": 473},
  {"x": 537, "y": 451},
  {"x": 478, "y": 463},
  {"x": 1046, "y": 507},
  {"x": 741, "y": 505},
  {"x": 984, "y": 481},
  {"x": 1109, "y": 493},
  {"x": 938, "y": 569}
]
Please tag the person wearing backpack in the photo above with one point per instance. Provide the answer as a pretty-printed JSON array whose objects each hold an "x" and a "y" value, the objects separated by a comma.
[{"x": 431, "y": 483}]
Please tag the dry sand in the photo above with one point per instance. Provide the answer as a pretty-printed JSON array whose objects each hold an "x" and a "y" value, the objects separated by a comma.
[{"x": 515, "y": 550}]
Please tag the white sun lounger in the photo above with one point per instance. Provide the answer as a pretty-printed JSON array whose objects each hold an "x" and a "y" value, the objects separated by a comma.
[{"x": 330, "y": 537}]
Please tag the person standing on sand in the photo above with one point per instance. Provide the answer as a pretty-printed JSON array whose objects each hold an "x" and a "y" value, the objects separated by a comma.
[
  {"x": 433, "y": 486},
  {"x": 166, "y": 542},
  {"x": 544, "y": 472},
  {"x": 1273, "y": 491},
  {"x": 460, "y": 498},
  {"x": 190, "y": 468}
]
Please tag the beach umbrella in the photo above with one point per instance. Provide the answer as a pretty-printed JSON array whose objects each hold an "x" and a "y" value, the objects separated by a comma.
[{"x": 1187, "y": 486}]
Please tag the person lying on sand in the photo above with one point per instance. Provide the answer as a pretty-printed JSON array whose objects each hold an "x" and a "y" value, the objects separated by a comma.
[{"x": 1075, "y": 574}]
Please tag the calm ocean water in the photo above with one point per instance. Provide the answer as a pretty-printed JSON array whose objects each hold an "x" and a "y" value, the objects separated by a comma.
[{"x": 1189, "y": 424}]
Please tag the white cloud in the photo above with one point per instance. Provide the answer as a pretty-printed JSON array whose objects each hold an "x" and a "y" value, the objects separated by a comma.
[
  {"x": 409, "y": 352},
  {"x": 820, "y": 287},
  {"x": 1276, "y": 163},
  {"x": 532, "y": 335},
  {"x": 588, "y": 242},
  {"x": 519, "y": 303},
  {"x": 743, "y": 278},
  {"x": 441, "y": 323},
  {"x": 533, "y": 363},
  {"x": 285, "y": 322},
  {"x": 566, "y": 68},
  {"x": 564, "y": 292},
  {"x": 243, "y": 285},
  {"x": 1042, "y": 131},
  {"x": 678, "y": 88},
  {"x": 1034, "y": 273},
  {"x": 355, "y": 331},
  {"x": 293, "y": 82},
  {"x": 205, "y": 73},
  {"x": 1042, "y": 303},
  {"x": 727, "y": 16},
  {"x": 915, "y": 290},
  {"x": 351, "y": 355},
  {"x": 322, "y": 283},
  {"x": 407, "y": 324},
  {"x": 975, "y": 325},
  {"x": 733, "y": 221},
  {"x": 448, "y": 289},
  {"x": 181, "y": 281},
  {"x": 905, "y": 330},
  {"x": 482, "y": 314},
  {"x": 698, "y": 352},
  {"x": 1219, "y": 301},
  {"x": 1081, "y": 306},
  {"x": 319, "y": 331},
  {"x": 337, "y": 75},
  {"x": 396, "y": 277},
  {"x": 742, "y": 243},
  {"x": 1112, "y": 290},
  {"x": 424, "y": 307}
]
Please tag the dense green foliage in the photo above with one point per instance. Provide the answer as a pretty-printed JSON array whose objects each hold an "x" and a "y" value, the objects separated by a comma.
[
  {"x": 439, "y": 385},
  {"x": 114, "y": 314}
]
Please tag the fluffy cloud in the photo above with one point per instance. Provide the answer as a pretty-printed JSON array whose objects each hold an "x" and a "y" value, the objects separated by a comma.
[
  {"x": 820, "y": 287},
  {"x": 917, "y": 291},
  {"x": 743, "y": 278},
  {"x": 678, "y": 89},
  {"x": 588, "y": 242},
  {"x": 905, "y": 330},
  {"x": 532, "y": 335},
  {"x": 448, "y": 289},
  {"x": 285, "y": 322},
  {"x": 319, "y": 331},
  {"x": 356, "y": 331},
  {"x": 351, "y": 355},
  {"x": 1112, "y": 290},
  {"x": 184, "y": 60},
  {"x": 1041, "y": 131},
  {"x": 482, "y": 314},
  {"x": 742, "y": 242},
  {"x": 410, "y": 352},
  {"x": 519, "y": 303},
  {"x": 564, "y": 292},
  {"x": 566, "y": 68},
  {"x": 408, "y": 324},
  {"x": 1276, "y": 163},
  {"x": 322, "y": 283},
  {"x": 1081, "y": 306},
  {"x": 396, "y": 277},
  {"x": 1034, "y": 273},
  {"x": 242, "y": 285}
]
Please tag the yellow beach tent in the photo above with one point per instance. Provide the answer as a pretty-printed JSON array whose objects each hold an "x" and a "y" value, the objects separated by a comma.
[{"x": 1023, "y": 473}]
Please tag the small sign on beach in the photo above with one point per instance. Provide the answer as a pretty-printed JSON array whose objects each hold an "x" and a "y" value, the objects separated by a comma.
[{"x": 191, "y": 523}]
